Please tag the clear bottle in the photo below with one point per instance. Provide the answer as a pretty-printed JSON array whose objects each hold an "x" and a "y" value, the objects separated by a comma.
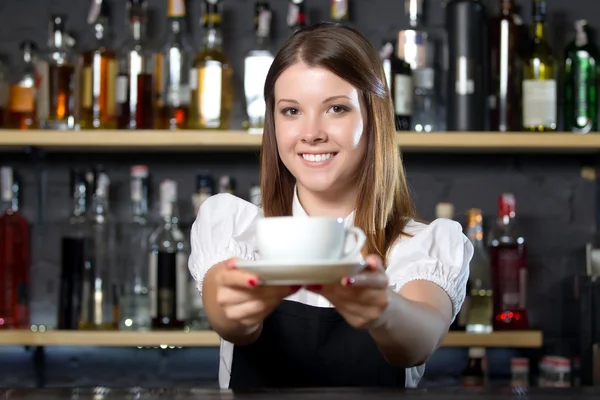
[
  {"x": 23, "y": 92},
  {"x": 14, "y": 255},
  {"x": 98, "y": 106},
  {"x": 135, "y": 302},
  {"x": 508, "y": 259},
  {"x": 479, "y": 319},
  {"x": 100, "y": 294},
  {"x": 256, "y": 66},
  {"x": 539, "y": 87},
  {"x": 519, "y": 369},
  {"x": 173, "y": 72},
  {"x": 211, "y": 77},
  {"x": 168, "y": 274},
  {"x": 56, "y": 97}
]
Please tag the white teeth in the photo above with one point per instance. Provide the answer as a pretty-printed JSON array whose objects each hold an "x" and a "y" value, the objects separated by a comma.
[{"x": 317, "y": 157}]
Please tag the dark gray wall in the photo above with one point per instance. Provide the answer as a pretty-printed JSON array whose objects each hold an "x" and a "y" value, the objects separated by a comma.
[{"x": 556, "y": 203}]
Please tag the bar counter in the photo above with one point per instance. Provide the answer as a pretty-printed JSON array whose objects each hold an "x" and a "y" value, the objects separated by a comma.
[{"x": 299, "y": 394}]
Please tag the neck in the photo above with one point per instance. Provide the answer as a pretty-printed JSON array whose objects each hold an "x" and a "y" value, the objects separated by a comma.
[{"x": 327, "y": 204}]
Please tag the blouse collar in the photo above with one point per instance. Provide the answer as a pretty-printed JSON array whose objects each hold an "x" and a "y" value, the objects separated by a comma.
[{"x": 298, "y": 210}]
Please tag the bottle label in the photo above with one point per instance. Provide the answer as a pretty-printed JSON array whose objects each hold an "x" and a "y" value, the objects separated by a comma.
[
  {"x": 152, "y": 282},
  {"x": 193, "y": 79},
  {"x": 403, "y": 90},
  {"x": 464, "y": 85},
  {"x": 539, "y": 103},
  {"x": 512, "y": 279},
  {"x": 582, "y": 113},
  {"x": 424, "y": 78},
  {"x": 182, "y": 282},
  {"x": 22, "y": 99},
  {"x": 87, "y": 87},
  {"x": 121, "y": 89},
  {"x": 176, "y": 9},
  {"x": 6, "y": 182},
  {"x": 210, "y": 93}
]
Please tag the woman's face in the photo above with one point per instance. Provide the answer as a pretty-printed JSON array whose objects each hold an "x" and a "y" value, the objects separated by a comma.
[{"x": 319, "y": 125}]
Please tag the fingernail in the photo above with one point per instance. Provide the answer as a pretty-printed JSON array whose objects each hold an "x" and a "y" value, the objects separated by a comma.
[
  {"x": 252, "y": 282},
  {"x": 314, "y": 287},
  {"x": 230, "y": 263},
  {"x": 295, "y": 288},
  {"x": 349, "y": 281}
]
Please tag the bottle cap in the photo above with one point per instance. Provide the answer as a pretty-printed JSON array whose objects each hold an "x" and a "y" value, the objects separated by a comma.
[{"x": 476, "y": 352}]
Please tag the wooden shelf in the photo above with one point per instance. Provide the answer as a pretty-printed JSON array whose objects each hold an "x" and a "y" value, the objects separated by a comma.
[
  {"x": 524, "y": 339},
  {"x": 156, "y": 140}
]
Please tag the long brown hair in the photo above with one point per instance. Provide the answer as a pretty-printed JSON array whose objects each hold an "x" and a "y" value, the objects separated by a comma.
[{"x": 383, "y": 206}]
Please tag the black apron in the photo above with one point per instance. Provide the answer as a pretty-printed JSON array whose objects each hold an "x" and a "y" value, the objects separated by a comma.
[{"x": 307, "y": 346}]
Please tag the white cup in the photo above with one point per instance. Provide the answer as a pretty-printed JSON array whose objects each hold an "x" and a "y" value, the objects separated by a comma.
[{"x": 307, "y": 239}]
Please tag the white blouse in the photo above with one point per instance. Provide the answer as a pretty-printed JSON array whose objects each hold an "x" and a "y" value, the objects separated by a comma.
[{"x": 438, "y": 252}]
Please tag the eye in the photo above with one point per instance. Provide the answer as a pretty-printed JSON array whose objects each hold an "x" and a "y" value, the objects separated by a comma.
[
  {"x": 337, "y": 109},
  {"x": 290, "y": 111}
]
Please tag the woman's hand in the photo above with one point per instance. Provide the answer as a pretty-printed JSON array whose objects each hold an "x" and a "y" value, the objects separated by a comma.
[
  {"x": 243, "y": 298},
  {"x": 361, "y": 299}
]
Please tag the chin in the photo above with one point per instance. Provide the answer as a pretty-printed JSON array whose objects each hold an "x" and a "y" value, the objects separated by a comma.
[{"x": 316, "y": 185}]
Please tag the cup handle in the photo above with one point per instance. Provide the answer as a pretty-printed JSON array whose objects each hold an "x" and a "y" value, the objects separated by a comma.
[{"x": 361, "y": 239}]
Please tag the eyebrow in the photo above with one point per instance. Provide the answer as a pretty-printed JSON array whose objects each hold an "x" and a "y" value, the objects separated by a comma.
[{"x": 324, "y": 101}]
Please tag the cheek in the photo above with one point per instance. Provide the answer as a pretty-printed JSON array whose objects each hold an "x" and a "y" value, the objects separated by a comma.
[{"x": 351, "y": 129}]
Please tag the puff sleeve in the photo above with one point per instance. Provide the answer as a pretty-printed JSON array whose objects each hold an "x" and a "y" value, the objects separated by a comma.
[
  {"x": 224, "y": 228},
  {"x": 439, "y": 253}
]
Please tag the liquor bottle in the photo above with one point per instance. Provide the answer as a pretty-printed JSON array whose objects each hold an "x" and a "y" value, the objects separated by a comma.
[
  {"x": 14, "y": 255},
  {"x": 98, "y": 107},
  {"x": 506, "y": 67},
  {"x": 56, "y": 92},
  {"x": 100, "y": 307},
  {"x": 539, "y": 81},
  {"x": 296, "y": 17},
  {"x": 173, "y": 72},
  {"x": 211, "y": 77},
  {"x": 135, "y": 303},
  {"x": 480, "y": 310},
  {"x": 417, "y": 47},
  {"x": 339, "y": 10},
  {"x": 23, "y": 93},
  {"x": 446, "y": 210},
  {"x": 226, "y": 184},
  {"x": 508, "y": 259},
  {"x": 4, "y": 88},
  {"x": 467, "y": 56},
  {"x": 581, "y": 82},
  {"x": 76, "y": 251},
  {"x": 401, "y": 90},
  {"x": 474, "y": 373},
  {"x": 256, "y": 66},
  {"x": 168, "y": 273},
  {"x": 205, "y": 187}
]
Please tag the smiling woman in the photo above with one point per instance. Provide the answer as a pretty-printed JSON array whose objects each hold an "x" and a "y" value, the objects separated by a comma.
[{"x": 329, "y": 149}]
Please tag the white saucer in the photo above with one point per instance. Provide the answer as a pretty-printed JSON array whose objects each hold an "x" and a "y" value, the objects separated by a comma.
[{"x": 302, "y": 272}]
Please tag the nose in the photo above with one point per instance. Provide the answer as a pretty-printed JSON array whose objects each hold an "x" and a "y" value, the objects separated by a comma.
[{"x": 313, "y": 132}]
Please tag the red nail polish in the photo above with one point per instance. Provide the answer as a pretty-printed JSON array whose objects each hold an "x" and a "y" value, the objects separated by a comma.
[
  {"x": 252, "y": 282},
  {"x": 349, "y": 281}
]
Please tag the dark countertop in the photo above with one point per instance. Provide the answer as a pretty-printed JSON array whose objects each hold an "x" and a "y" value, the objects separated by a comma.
[{"x": 296, "y": 394}]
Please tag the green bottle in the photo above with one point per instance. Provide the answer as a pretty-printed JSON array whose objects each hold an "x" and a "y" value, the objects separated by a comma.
[{"x": 581, "y": 81}]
